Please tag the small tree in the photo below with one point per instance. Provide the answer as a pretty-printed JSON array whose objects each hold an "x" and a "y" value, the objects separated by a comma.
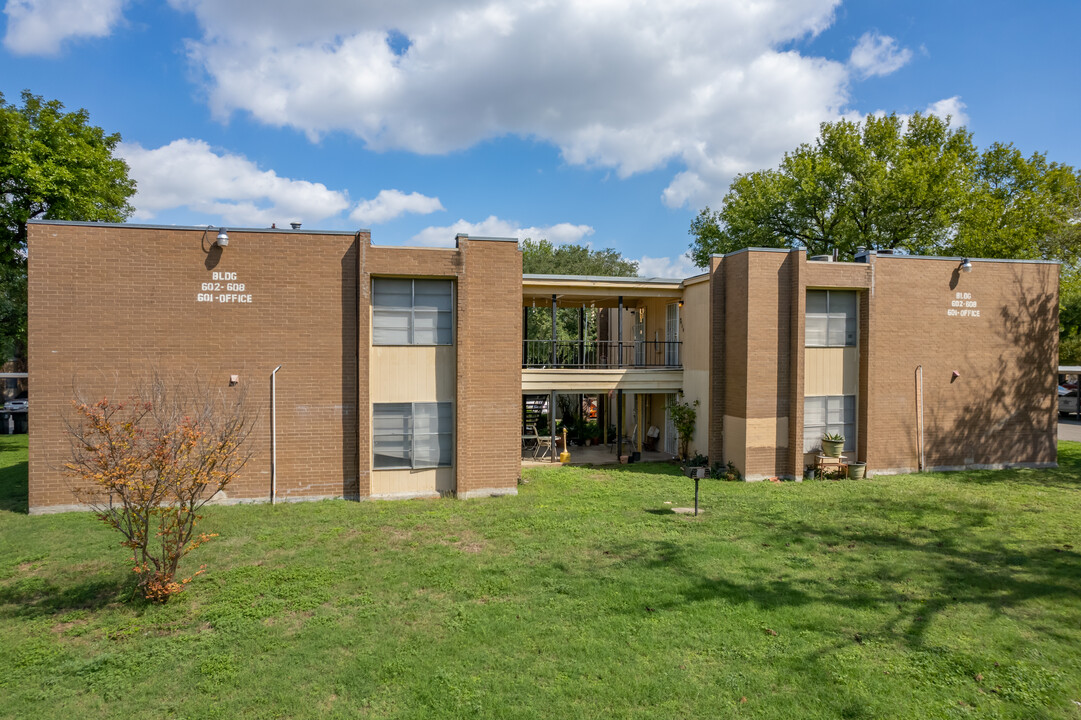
[
  {"x": 683, "y": 417},
  {"x": 148, "y": 465}
]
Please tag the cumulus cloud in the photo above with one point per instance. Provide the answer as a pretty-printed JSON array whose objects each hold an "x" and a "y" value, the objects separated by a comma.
[
  {"x": 951, "y": 107},
  {"x": 667, "y": 267},
  {"x": 189, "y": 173},
  {"x": 876, "y": 55},
  {"x": 496, "y": 227},
  {"x": 39, "y": 27},
  {"x": 706, "y": 86},
  {"x": 389, "y": 204}
]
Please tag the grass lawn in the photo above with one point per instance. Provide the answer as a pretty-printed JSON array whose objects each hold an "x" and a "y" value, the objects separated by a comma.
[{"x": 924, "y": 596}]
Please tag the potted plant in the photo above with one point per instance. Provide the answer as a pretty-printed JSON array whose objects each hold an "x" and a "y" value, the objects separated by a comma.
[{"x": 833, "y": 444}]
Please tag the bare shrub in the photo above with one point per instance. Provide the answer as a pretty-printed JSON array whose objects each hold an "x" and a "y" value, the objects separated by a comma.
[{"x": 148, "y": 464}]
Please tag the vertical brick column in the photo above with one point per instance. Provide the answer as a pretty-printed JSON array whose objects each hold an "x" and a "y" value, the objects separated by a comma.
[{"x": 489, "y": 367}]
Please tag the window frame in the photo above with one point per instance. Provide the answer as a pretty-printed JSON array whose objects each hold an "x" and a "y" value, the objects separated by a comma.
[
  {"x": 412, "y": 434},
  {"x": 411, "y": 312},
  {"x": 831, "y": 427},
  {"x": 830, "y": 316}
]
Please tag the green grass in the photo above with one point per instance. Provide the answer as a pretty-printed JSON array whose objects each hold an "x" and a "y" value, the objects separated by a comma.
[{"x": 928, "y": 596}]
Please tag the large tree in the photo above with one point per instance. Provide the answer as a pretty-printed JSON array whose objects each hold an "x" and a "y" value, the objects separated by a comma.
[
  {"x": 918, "y": 186},
  {"x": 542, "y": 257},
  {"x": 53, "y": 165}
]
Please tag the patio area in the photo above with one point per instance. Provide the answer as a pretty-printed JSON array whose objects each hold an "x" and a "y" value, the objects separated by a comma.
[{"x": 593, "y": 455}]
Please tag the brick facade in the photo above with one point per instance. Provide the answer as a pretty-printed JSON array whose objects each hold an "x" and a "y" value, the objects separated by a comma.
[
  {"x": 999, "y": 410},
  {"x": 111, "y": 304}
]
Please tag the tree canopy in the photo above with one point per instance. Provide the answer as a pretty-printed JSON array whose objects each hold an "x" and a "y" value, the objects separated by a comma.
[
  {"x": 53, "y": 165},
  {"x": 914, "y": 185},
  {"x": 542, "y": 257}
]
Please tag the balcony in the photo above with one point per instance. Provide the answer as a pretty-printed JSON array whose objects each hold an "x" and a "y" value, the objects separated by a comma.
[{"x": 598, "y": 355}]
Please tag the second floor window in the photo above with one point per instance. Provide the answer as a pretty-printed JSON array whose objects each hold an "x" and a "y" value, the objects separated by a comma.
[
  {"x": 832, "y": 318},
  {"x": 412, "y": 312}
]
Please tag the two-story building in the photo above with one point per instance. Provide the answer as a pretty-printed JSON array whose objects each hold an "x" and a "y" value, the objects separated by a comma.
[{"x": 410, "y": 372}]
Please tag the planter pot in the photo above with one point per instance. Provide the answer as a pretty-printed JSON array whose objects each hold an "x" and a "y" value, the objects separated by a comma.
[
  {"x": 832, "y": 448},
  {"x": 857, "y": 470}
]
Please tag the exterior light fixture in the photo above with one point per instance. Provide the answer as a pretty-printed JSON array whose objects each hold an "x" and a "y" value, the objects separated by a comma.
[
  {"x": 223, "y": 238},
  {"x": 966, "y": 265},
  {"x": 681, "y": 304}
]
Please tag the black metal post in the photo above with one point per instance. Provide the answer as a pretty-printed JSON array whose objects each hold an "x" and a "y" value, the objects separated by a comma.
[
  {"x": 581, "y": 336},
  {"x": 619, "y": 324},
  {"x": 619, "y": 420},
  {"x": 554, "y": 336},
  {"x": 525, "y": 336},
  {"x": 696, "y": 494},
  {"x": 552, "y": 420}
]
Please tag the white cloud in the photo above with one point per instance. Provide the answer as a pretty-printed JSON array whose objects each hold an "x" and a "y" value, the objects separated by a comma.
[
  {"x": 667, "y": 267},
  {"x": 876, "y": 55},
  {"x": 952, "y": 107},
  {"x": 389, "y": 204},
  {"x": 632, "y": 86},
  {"x": 39, "y": 27},
  {"x": 495, "y": 227},
  {"x": 189, "y": 173}
]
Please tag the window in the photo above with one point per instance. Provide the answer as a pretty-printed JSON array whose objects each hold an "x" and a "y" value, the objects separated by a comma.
[
  {"x": 412, "y": 435},
  {"x": 832, "y": 318},
  {"x": 411, "y": 312},
  {"x": 834, "y": 414}
]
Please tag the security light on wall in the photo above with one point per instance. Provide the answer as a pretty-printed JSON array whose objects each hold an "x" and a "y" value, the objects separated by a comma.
[
  {"x": 966, "y": 265},
  {"x": 223, "y": 238}
]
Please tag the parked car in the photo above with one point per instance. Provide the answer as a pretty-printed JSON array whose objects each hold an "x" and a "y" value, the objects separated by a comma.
[
  {"x": 17, "y": 405},
  {"x": 1067, "y": 400}
]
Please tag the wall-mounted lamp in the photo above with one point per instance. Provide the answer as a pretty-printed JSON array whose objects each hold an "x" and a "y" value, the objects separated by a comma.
[
  {"x": 223, "y": 238},
  {"x": 966, "y": 265},
  {"x": 680, "y": 304}
]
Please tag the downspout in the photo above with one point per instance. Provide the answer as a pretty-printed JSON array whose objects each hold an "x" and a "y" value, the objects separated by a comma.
[
  {"x": 919, "y": 411},
  {"x": 273, "y": 436}
]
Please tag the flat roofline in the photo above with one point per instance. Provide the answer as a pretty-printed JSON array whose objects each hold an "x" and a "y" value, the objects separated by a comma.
[
  {"x": 486, "y": 239},
  {"x": 599, "y": 278},
  {"x": 230, "y": 228},
  {"x": 958, "y": 258}
]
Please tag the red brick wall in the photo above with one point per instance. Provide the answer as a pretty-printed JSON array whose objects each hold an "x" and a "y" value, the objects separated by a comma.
[
  {"x": 110, "y": 305},
  {"x": 1001, "y": 409}
]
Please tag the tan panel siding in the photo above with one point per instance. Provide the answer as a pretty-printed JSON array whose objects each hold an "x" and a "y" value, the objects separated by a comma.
[
  {"x": 831, "y": 371},
  {"x": 412, "y": 374},
  {"x": 412, "y": 483}
]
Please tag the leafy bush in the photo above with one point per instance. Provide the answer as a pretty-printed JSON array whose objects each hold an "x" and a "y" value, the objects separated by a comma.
[{"x": 148, "y": 465}]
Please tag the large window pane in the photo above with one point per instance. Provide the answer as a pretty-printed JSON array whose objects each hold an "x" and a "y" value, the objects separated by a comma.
[
  {"x": 392, "y": 431},
  {"x": 412, "y": 312},
  {"x": 834, "y": 414},
  {"x": 832, "y": 318},
  {"x": 390, "y": 327},
  {"x": 392, "y": 293},
  {"x": 432, "y": 295},
  {"x": 412, "y": 435}
]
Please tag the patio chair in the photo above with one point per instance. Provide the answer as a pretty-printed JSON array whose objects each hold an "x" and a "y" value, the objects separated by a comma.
[{"x": 544, "y": 443}]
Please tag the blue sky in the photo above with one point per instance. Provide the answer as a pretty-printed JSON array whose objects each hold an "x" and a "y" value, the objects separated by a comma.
[{"x": 610, "y": 123}]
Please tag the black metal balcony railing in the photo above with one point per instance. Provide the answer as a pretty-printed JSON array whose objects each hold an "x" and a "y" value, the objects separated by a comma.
[{"x": 606, "y": 354}]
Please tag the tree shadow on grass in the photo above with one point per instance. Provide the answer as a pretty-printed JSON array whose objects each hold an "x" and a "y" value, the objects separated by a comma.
[
  {"x": 34, "y": 598},
  {"x": 908, "y": 577},
  {"x": 14, "y": 489}
]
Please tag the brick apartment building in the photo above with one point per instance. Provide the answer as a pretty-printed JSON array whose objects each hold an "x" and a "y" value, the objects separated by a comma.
[{"x": 404, "y": 370}]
